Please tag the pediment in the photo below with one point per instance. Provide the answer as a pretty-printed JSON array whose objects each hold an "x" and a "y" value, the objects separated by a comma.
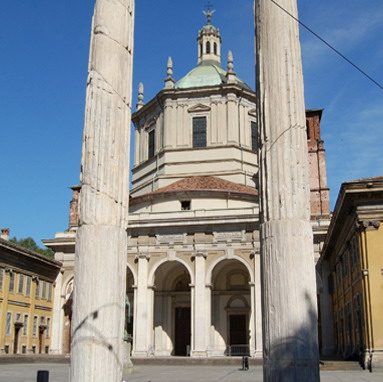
[
  {"x": 199, "y": 108},
  {"x": 253, "y": 112}
]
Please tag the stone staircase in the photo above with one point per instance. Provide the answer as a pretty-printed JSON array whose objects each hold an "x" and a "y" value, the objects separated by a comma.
[{"x": 189, "y": 361}]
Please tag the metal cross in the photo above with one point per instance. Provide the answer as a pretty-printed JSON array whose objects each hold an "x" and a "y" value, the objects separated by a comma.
[{"x": 209, "y": 12}]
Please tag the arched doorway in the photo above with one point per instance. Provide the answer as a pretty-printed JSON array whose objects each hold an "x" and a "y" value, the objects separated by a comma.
[
  {"x": 231, "y": 311},
  {"x": 172, "y": 310}
]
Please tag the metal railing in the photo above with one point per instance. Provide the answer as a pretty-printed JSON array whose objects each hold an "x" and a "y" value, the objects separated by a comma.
[{"x": 237, "y": 350}]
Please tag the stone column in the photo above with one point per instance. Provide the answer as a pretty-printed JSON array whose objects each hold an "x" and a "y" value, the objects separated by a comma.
[
  {"x": 288, "y": 273},
  {"x": 327, "y": 314},
  {"x": 141, "y": 315},
  {"x": 258, "y": 307},
  {"x": 199, "y": 307},
  {"x": 100, "y": 263},
  {"x": 58, "y": 316}
]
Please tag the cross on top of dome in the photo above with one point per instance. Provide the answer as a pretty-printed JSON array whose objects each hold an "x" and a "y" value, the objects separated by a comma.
[{"x": 209, "y": 12}]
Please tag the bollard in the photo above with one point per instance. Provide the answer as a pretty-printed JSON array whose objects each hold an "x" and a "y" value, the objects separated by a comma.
[
  {"x": 42, "y": 376},
  {"x": 245, "y": 363}
]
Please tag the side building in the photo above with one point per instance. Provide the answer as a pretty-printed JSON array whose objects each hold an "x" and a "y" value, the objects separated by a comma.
[
  {"x": 351, "y": 270},
  {"x": 26, "y": 299}
]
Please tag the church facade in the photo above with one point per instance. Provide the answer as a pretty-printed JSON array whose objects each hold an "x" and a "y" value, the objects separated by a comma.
[{"x": 193, "y": 256}]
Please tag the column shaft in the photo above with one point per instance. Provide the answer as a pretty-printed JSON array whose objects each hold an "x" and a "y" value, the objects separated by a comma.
[
  {"x": 100, "y": 262},
  {"x": 288, "y": 273}
]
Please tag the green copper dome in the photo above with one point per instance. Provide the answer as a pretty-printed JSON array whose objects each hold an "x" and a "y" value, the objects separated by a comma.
[{"x": 206, "y": 74}]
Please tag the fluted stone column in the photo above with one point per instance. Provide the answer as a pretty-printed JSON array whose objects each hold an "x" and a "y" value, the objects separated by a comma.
[
  {"x": 100, "y": 267},
  {"x": 288, "y": 273}
]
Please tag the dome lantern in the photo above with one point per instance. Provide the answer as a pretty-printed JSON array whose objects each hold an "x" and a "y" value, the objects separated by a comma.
[{"x": 209, "y": 41}]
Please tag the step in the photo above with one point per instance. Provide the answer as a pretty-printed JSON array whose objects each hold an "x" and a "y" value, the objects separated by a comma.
[
  {"x": 333, "y": 365},
  {"x": 180, "y": 361}
]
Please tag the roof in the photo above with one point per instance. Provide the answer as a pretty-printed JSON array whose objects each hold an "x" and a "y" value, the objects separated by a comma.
[
  {"x": 208, "y": 73},
  {"x": 29, "y": 253},
  {"x": 353, "y": 194},
  {"x": 197, "y": 184}
]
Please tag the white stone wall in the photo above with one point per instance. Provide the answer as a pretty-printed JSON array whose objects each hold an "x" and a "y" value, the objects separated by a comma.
[{"x": 228, "y": 153}]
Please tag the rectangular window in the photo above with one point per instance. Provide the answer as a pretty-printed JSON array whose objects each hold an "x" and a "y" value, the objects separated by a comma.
[
  {"x": 39, "y": 288},
  {"x": 1, "y": 278},
  {"x": 151, "y": 143},
  {"x": 48, "y": 327},
  {"x": 49, "y": 291},
  {"x": 28, "y": 285},
  {"x": 46, "y": 349},
  {"x": 6, "y": 349},
  {"x": 21, "y": 284},
  {"x": 254, "y": 136},
  {"x": 24, "y": 349},
  {"x": 12, "y": 277},
  {"x": 199, "y": 132},
  {"x": 34, "y": 349},
  {"x": 8, "y": 324},
  {"x": 34, "y": 326},
  {"x": 25, "y": 327},
  {"x": 18, "y": 317},
  {"x": 44, "y": 290}
]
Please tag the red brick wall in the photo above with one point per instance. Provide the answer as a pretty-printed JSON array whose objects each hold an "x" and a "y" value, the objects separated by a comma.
[{"x": 319, "y": 199}]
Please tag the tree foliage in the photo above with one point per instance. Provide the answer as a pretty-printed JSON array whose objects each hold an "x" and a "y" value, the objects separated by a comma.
[{"x": 29, "y": 243}]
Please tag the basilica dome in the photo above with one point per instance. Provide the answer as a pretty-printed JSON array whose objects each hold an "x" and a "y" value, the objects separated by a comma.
[{"x": 206, "y": 74}]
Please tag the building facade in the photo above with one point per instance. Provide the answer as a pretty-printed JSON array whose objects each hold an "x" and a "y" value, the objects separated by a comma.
[
  {"x": 351, "y": 266},
  {"x": 26, "y": 299},
  {"x": 193, "y": 266}
]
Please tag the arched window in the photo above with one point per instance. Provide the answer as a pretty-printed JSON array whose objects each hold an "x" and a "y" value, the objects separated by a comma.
[
  {"x": 208, "y": 47},
  {"x": 308, "y": 132},
  {"x": 215, "y": 48}
]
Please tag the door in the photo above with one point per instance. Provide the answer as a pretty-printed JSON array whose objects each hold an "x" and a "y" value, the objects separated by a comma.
[
  {"x": 238, "y": 330},
  {"x": 16, "y": 339},
  {"x": 182, "y": 331}
]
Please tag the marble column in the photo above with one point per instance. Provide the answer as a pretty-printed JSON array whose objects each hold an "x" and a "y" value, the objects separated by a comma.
[
  {"x": 100, "y": 261},
  {"x": 258, "y": 307},
  {"x": 199, "y": 308},
  {"x": 288, "y": 274},
  {"x": 327, "y": 314}
]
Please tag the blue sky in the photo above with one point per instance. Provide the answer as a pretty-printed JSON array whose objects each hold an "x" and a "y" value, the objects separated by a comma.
[{"x": 44, "y": 48}]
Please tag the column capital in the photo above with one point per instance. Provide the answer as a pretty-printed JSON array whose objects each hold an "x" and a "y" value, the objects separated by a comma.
[
  {"x": 143, "y": 255},
  {"x": 200, "y": 254}
]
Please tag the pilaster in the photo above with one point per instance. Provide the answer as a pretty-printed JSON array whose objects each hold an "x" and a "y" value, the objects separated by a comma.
[
  {"x": 141, "y": 316},
  {"x": 57, "y": 316},
  {"x": 199, "y": 312}
]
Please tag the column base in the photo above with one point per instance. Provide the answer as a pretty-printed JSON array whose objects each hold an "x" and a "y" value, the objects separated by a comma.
[
  {"x": 139, "y": 353},
  {"x": 376, "y": 361},
  {"x": 198, "y": 353}
]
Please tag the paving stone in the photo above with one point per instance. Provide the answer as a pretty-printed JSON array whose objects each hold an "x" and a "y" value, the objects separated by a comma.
[{"x": 60, "y": 373}]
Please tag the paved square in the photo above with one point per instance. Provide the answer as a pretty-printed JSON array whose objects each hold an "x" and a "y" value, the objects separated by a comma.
[{"x": 60, "y": 373}]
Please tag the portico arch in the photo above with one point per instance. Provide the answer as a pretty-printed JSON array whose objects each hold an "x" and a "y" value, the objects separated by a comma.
[
  {"x": 172, "y": 309},
  {"x": 231, "y": 302},
  {"x": 228, "y": 257},
  {"x": 167, "y": 260}
]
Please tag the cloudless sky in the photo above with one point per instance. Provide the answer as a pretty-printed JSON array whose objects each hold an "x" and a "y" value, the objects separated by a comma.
[{"x": 44, "y": 47}]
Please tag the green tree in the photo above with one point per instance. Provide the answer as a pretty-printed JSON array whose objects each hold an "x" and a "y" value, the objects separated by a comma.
[{"x": 29, "y": 243}]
